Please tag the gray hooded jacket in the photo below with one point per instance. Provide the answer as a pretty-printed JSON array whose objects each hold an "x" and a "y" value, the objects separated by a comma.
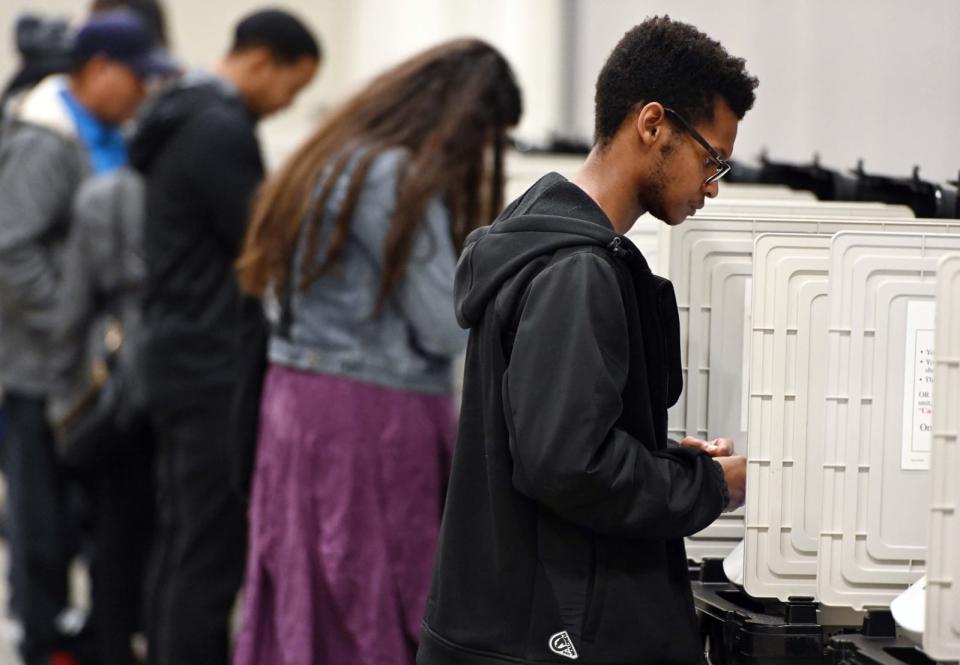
[{"x": 42, "y": 163}]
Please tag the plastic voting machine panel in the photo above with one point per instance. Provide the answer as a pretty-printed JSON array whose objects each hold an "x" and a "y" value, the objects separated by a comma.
[
  {"x": 526, "y": 168},
  {"x": 790, "y": 322},
  {"x": 710, "y": 262},
  {"x": 780, "y": 200},
  {"x": 523, "y": 170},
  {"x": 873, "y": 527},
  {"x": 643, "y": 234},
  {"x": 738, "y": 190},
  {"x": 803, "y": 207},
  {"x": 786, "y": 414},
  {"x": 787, "y": 373},
  {"x": 941, "y": 636}
]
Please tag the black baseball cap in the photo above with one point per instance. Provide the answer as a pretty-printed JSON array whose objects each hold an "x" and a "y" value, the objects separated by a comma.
[{"x": 122, "y": 36}]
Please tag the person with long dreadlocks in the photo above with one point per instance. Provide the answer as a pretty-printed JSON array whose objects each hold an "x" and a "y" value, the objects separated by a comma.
[{"x": 357, "y": 236}]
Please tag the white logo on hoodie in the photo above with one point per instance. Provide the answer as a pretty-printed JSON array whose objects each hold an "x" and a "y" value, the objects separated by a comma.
[{"x": 562, "y": 645}]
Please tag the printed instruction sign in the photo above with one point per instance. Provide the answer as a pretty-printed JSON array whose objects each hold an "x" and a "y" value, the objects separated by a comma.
[{"x": 918, "y": 386}]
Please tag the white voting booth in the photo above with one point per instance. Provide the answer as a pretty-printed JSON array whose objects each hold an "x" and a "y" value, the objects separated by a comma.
[
  {"x": 810, "y": 326},
  {"x": 787, "y": 409},
  {"x": 709, "y": 259},
  {"x": 873, "y": 530},
  {"x": 941, "y": 638}
]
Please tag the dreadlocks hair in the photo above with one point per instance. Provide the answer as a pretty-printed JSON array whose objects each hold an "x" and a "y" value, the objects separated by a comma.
[
  {"x": 446, "y": 107},
  {"x": 666, "y": 61}
]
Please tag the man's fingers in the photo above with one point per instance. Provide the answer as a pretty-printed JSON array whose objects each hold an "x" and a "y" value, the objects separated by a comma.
[
  {"x": 693, "y": 442},
  {"x": 721, "y": 447}
]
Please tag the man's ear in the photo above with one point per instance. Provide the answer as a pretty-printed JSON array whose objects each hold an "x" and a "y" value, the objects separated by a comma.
[
  {"x": 259, "y": 58},
  {"x": 651, "y": 123}
]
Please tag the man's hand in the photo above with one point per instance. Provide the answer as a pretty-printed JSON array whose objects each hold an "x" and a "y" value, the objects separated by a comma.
[
  {"x": 720, "y": 447},
  {"x": 735, "y": 473}
]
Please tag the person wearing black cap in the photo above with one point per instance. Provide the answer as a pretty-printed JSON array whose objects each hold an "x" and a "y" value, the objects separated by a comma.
[
  {"x": 45, "y": 43},
  {"x": 54, "y": 136},
  {"x": 197, "y": 149}
]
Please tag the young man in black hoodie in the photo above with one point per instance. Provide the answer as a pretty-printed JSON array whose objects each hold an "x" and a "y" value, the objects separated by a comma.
[
  {"x": 198, "y": 152},
  {"x": 563, "y": 529}
]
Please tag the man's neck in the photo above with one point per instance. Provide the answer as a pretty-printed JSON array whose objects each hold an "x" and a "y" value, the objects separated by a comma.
[
  {"x": 610, "y": 187},
  {"x": 229, "y": 71}
]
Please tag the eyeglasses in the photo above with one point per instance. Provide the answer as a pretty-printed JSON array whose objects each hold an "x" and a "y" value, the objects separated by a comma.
[{"x": 723, "y": 166}]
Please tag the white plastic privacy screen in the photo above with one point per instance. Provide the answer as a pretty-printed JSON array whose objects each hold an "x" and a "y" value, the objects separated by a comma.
[
  {"x": 790, "y": 322},
  {"x": 873, "y": 531},
  {"x": 710, "y": 261},
  {"x": 787, "y": 376},
  {"x": 941, "y": 637}
]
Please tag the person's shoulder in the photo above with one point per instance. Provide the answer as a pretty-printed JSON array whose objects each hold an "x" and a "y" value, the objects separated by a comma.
[
  {"x": 35, "y": 140},
  {"x": 33, "y": 152},
  {"x": 212, "y": 118},
  {"x": 585, "y": 265},
  {"x": 218, "y": 119},
  {"x": 387, "y": 166},
  {"x": 536, "y": 199},
  {"x": 382, "y": 174}
]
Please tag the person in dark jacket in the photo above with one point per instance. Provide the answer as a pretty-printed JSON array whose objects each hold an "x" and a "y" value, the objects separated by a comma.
[
  {"x": 198, "y": 152},
  {"x": 562, "y": 536}
]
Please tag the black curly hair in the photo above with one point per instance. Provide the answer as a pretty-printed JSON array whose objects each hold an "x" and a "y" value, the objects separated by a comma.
[{"x": 666, "y": 61}]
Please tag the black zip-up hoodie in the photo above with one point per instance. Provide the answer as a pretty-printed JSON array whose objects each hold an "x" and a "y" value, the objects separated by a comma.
[
  {"x": 563, "y": 526},
  {"x": 197, "y": 149}
]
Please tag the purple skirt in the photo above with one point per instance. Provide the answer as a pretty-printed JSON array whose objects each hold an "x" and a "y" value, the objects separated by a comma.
[{"x": 344, "y": 521}]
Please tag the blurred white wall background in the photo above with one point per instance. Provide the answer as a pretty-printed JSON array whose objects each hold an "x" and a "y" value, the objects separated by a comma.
[
  {"x": 860, "y": 78},
  {"x": 877, "y": 79}
]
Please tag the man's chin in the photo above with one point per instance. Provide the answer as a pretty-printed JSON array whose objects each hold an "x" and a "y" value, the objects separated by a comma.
[{"x": 674, "y": 220}]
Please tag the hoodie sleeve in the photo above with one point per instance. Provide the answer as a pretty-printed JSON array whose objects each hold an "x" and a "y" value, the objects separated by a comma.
[{"x": 562, "y": 394}]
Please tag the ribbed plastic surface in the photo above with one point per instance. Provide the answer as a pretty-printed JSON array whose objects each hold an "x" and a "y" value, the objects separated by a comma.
[
  {"x": 873, "y": 533},
  {"x": 787, "y": 381},
  {"x": 790, "y": 320},
  {"x": 709, "y": 260},
  {"x": 643, "y": 234},
  {"x": 941, "y": 637}
]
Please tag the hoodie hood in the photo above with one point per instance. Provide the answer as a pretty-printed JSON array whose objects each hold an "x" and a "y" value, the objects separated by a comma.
[
  {"x": 44, "y": 106},
  {"x": 165, "y": 115},
  {"x": 533, "y": 226}
]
